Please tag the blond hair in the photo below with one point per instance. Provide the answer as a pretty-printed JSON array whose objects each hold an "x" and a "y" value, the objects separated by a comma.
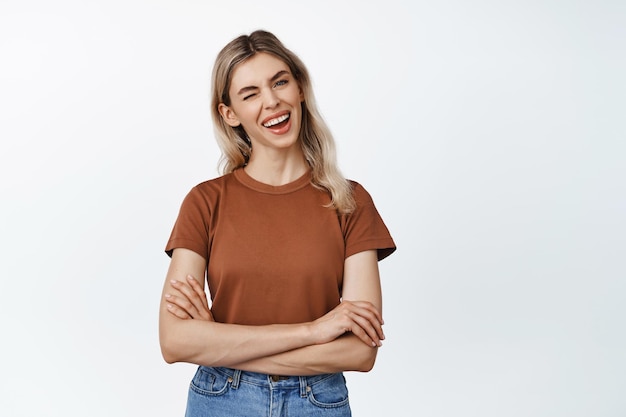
[{"x": 316, "y": 139}]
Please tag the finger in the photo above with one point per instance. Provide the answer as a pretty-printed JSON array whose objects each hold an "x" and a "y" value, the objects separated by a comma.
[
  {"x": 366, "y": 331},
  {"x": 194, "y": 294},
  {"x": 351, "y": 319},
  {"x": 359, "y": 332},
  {"x": 370, "y": 307},
  {"x": 195, "y": 285},
  {"x": 182, "y": 304},
  {"x": 199, "y": 299},
  {"x": 370, "y": 312},
  {"x": 177, "y": 311},
  {"x": 373, "y": 319},
  {"x": 192, "y": 302}
]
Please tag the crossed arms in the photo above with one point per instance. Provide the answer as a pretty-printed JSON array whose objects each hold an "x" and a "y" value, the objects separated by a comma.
[{"x": 345, "y": 339}]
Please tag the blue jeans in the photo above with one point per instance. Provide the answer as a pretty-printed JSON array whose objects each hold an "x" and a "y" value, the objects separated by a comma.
[{"x": 225, "y": 392}]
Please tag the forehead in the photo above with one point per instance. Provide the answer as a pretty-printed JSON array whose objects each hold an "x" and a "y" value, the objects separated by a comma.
[{"x": 256, "y": 70}]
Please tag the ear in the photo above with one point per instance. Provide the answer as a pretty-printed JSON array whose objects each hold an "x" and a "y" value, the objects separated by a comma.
[{"x": 228, "y": 115}]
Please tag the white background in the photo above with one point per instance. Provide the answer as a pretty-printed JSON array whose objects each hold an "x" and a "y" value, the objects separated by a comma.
[{"x": 489, "y": 133}]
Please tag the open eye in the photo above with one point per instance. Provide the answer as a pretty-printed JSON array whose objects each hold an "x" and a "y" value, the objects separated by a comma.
[{"x": 280, "y": 83}]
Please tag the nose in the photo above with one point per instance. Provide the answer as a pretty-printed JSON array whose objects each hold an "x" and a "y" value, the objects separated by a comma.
[{"x": 270, "y": 99}]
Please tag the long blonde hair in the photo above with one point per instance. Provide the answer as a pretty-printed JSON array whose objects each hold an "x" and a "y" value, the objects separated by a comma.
[{"x": 316, "y": 140}]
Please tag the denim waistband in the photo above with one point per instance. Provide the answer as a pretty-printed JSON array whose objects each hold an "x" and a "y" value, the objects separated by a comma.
[{"x": 301, "y": 382}]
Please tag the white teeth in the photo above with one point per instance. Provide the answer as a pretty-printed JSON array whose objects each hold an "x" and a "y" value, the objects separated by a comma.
[{"x": 276, "y": 121}]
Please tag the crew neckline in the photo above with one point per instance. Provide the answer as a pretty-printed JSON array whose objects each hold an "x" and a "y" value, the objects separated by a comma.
[{"x": 242, "y": 176}]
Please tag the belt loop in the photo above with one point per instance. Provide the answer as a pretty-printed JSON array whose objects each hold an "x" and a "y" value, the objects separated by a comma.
[
  {"x": 236, "y": 378},
  {"x": 303, "y": 386}
]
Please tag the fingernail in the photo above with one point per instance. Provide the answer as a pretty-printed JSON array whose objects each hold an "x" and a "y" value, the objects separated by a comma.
[
  {"x": 173, "y": 281},
  {"x": 169, "y": 306},
  {"x": 189, "y": 277},
  {"x": 167, "y": 296}
]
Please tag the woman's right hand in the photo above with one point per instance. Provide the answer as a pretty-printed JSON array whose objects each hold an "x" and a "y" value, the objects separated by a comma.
[
  {"x": 190, "y": 302},
  {"x": 361, "y": 318}
]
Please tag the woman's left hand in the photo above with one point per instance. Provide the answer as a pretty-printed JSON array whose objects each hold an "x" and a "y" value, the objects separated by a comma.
[{"x": 190, "y": 302}]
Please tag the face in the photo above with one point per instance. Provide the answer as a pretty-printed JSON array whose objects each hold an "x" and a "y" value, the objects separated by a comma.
[{"x": 265, "y": 100}]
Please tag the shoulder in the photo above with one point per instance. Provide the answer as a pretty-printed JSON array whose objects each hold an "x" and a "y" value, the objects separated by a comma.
[
  {"x": 206, "y": 195},
  {"x": 211, "y": 188},
  {"x": 360, "y": 194},
  {"x": 364, "y": 228},
  {"x": 214, "y": 183}
]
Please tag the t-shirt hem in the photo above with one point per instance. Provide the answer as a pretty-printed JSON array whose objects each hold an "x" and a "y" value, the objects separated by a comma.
[
  {"x": 384, "y": 247},
  {"x": 185, "y": 244}
]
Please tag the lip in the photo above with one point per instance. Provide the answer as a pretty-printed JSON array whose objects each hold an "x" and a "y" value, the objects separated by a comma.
[
  {"x": 280, "y": 130},
  {"x": 273, "y": 116}
]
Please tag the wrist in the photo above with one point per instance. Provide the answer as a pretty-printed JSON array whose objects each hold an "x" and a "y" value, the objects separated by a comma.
[{"x": 309, "y": 334}]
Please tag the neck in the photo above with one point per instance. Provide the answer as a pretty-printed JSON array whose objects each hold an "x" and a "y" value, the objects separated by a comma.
[{"x": 278, "y": 169}]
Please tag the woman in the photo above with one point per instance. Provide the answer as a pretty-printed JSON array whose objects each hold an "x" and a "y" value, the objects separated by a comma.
[{"x": 288, "y": 247}]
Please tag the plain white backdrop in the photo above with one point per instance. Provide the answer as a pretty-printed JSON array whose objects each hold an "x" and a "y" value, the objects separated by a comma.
[{"x": 491, "y": 135}]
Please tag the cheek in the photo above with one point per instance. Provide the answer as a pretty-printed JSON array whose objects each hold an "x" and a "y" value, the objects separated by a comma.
[{"x": 247, "y": 115}]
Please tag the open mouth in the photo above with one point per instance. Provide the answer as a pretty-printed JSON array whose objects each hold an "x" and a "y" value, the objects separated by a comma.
[{"x": 277, "y": 122}]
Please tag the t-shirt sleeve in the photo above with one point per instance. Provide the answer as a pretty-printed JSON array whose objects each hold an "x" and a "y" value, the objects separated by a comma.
[
  {"x": 364, "y": 229},
  {"x": 191, "y": 230}
]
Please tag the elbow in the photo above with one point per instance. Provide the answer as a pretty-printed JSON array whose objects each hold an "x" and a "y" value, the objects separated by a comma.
[
  {"x": 369, "y": 361},
  {"x": 172, "y": 341},
  {"x": 174, "y": 350},
  {"x": 366, "y": 359},
  {"x": 169, "y": 360},
  {"x": 168, "y": 353},
  {"x": 168, "y": 357},
  {"x": 170, "y": 349}
]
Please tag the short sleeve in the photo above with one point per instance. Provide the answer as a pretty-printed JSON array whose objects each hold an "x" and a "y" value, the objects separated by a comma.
[
  {"x": 364, "y": 229},
  {"x": 191, "y": 229}
]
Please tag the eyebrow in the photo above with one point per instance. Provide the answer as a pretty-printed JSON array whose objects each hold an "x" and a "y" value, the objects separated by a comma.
[{"x": 251, "y": 87}]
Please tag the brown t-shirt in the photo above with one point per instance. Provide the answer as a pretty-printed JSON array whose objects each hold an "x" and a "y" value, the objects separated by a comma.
[{"x": 274, "y": 254}]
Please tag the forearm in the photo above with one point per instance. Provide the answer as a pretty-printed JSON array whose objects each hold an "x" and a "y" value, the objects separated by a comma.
[
  {"x": 188, "y": 332},
  {"x": 346, "y": 353},
  {"x": 217, "y": 344},
  {"x": 205, "y": 342}
]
